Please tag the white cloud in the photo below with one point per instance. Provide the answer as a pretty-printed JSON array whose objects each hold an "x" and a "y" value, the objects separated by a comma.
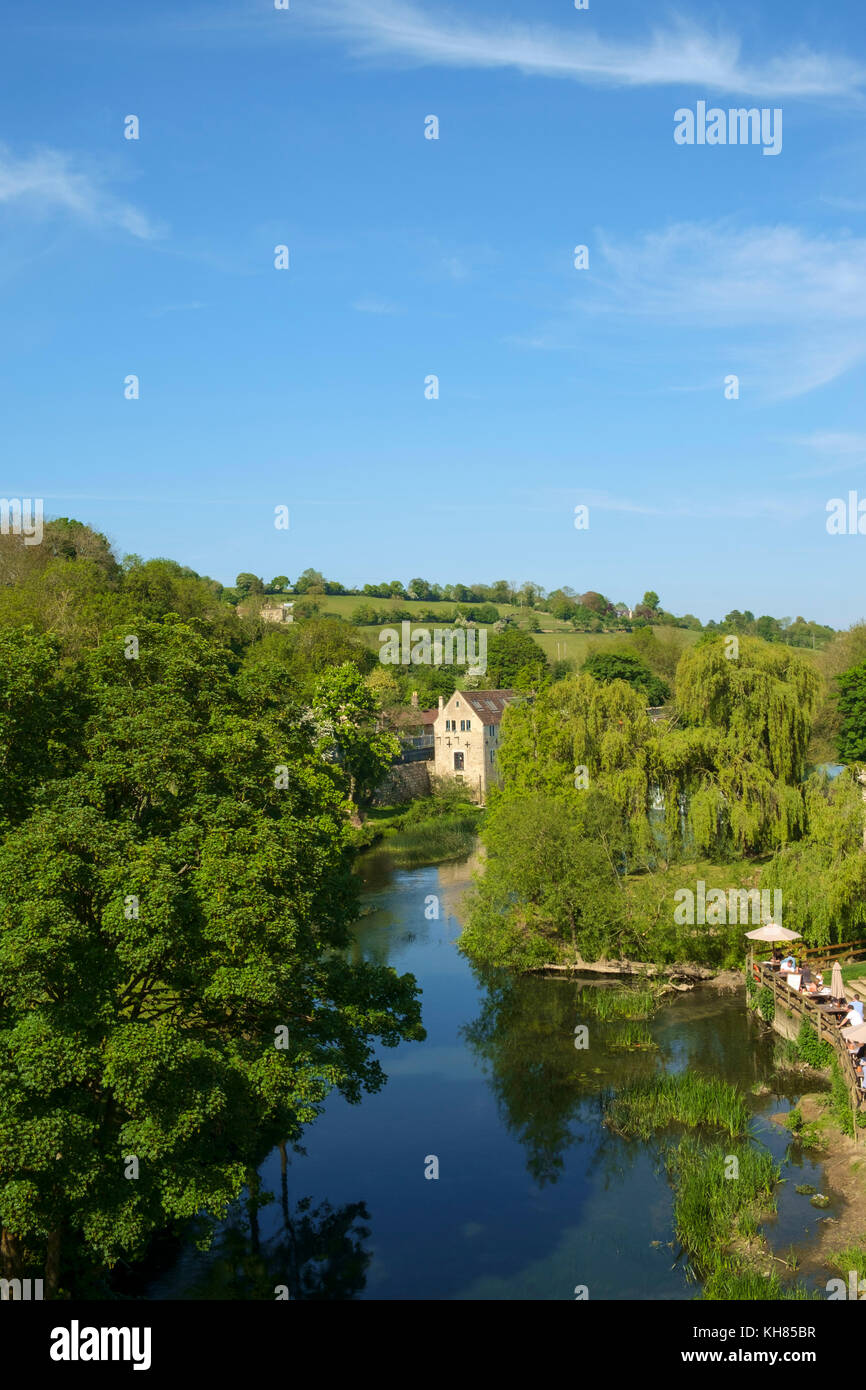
[
  {"x": 47, "y": 181},
  {"x": 679, "y": 54},
  {"x": 757, "y": 275},
  {"x": 791, "y": 307}
]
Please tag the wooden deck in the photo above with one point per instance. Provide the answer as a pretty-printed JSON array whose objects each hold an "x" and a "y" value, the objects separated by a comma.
[{"x": 804, "y": 1006}]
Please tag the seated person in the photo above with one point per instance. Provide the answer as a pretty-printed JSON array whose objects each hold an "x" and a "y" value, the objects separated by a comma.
[
  {"x": 789, "y": 963},
  {"x": 851, "y": 1018},
  {"x": 776, "y": 959}
]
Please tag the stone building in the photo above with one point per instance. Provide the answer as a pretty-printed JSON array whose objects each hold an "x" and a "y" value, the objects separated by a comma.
[
  {"x": 276, "y": 612},
  {"x": 467, "y": 737}
]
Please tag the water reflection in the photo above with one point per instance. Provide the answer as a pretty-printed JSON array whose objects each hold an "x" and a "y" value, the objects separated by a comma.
[
  {"x": 311, "y": 1253},
  {"x": 534, "y": 1194}
]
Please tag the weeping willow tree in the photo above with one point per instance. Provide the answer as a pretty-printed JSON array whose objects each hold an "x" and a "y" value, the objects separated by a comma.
[
  {"x": 726, "y": 772},
  {"x": 763, "y": 694},
  {"x": 823, "y": 876}
]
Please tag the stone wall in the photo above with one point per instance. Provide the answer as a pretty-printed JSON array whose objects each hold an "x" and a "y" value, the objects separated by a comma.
[{"x": 404, "y": 782}]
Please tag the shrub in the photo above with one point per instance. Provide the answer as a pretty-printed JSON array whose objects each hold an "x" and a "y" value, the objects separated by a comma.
[{"x": 814, "y": 1051}]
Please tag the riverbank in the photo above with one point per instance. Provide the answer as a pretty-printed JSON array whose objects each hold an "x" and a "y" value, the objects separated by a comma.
[
  {"x": 683, "y": 975},
  {"x": 432, "y": 830},
  {"x": 844, "y": 1163}
]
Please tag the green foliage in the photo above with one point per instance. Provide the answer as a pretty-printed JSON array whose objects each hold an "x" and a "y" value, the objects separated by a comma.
[
  {"x": 814, "y": 1051},
  {"x": 823, "y": 876},
  {"x": 620, "y": 666},
  {"x": 165, "y": 907},
  {"x": 851, "y": 743},
  {"x": 447, "y": 799},
  {"x": 734, "y": 799},
  {"x": 550, "y": 885},
  {"x": 298, "y": 655},
  {"x": 249, "y": 584},
  {"x": 766, "y": 1004},
  {"x": 347, "y": 713},
  {"x": 840, "y": 1100},
  {"x": 763, "y": 698},
  {"x": 508, "y": 654}
]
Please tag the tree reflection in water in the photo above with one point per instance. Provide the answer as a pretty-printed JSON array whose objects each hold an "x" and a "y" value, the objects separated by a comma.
[
  {"x": 546, "y": 1089},
  {"x": 317, "y": 1253}
]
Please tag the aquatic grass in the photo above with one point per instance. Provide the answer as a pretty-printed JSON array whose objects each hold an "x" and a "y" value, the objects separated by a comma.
[
  {"x": 848, "y": 1257},
  {"x": 684, "y": 1098},
  {"x": 720, "y": 1195},
  {"x": 631, "y": 1037},
  {"x": 433, "y": 841},
  {"x": 610, "y": 1005},
  {"x": 730, "y": 1280}
]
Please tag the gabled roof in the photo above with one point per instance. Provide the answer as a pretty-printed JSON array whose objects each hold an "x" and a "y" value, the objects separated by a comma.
[{"x": 489, "y": 705}]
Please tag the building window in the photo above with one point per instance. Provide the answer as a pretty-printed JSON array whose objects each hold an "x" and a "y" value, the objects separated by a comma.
[
  {"x": 468, "y": 725},
  {"x": 491, "y": 755},
  {"x": 458, "y": 762},
  {"x": 462, "y": 726}
]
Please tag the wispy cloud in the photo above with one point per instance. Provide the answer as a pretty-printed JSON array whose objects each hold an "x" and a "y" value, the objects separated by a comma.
[
  {"x": 48, "y": 181},
  {"x": 371, "y": 305},
  {"x": 790, "y": 306},
  {"x": 839, "y": 450},
  {"x": 778, "y": 274},
  {"x": 680, "y": 54}
]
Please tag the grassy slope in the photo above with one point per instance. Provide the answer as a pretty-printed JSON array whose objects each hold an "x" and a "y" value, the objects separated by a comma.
[{"x": 556, "y": 638}]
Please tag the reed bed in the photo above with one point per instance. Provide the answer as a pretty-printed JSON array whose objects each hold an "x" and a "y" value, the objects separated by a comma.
[
  {"x": 714, "y": 1207},
  {"x": 611, "y": 1005},
  {"x": 631, "y": 1037},
  {"x": 729, "y": 1280},
  {"x": 685, "y": 1099},
  {"x": 433, "y": 841}
]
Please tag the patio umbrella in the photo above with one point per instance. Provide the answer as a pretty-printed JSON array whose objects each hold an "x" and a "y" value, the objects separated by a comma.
[
  {"x": 856, "y": 1033},
  {"x": 837, "y": 989},
  {"x": 772, "y": 932}
]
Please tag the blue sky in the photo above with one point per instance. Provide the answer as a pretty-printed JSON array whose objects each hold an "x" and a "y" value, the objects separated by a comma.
[{"x": 453, "y": 257}]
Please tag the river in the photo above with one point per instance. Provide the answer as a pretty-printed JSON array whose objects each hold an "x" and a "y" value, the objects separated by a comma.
[{"x": 534, "y": 1196}]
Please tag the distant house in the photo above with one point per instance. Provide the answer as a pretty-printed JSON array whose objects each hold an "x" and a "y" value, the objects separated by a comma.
[
  {"x": 277, "y": 613},
  {"x": 467, "y": 737}
]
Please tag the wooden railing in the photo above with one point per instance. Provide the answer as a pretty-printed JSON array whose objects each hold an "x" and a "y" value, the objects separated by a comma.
[
  {"x": 831, "y": 953},
  {"x": 805, "y": 1006}
]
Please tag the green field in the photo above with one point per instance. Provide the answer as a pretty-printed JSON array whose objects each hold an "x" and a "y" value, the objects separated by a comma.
[
  {"x": 344, "y": 605},
  {"x": 576, "y": 646},
  {"x": 557, "y": 639}
]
